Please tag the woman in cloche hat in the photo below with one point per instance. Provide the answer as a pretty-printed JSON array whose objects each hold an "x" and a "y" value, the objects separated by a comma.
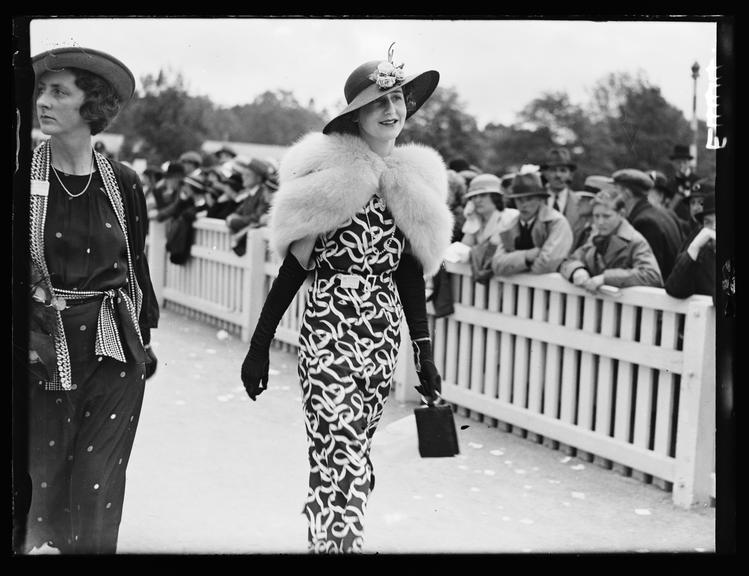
[
  {"x": 92, "y": 307},
  {"x": 369, "y": 219}
]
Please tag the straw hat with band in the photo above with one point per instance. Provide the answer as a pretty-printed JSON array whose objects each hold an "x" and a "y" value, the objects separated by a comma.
[
  {"x": 100, "y": 63},
  {"x": 484, "y": 184},
  {"x": 374, "y": 79}
]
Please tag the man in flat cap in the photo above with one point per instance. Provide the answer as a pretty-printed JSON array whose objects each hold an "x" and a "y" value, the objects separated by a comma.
[
  {"x": 557, "y": 170},
  {"x": 593, "y": 185},
  {"x": 539, "y": 239},
  {"x": 661, "y": 232}
]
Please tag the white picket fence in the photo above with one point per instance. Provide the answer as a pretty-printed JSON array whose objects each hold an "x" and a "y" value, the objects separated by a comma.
[{"x": 627, "y": 381}]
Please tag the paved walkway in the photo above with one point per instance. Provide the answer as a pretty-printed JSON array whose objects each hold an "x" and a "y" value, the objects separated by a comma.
[{"x": 213, "y": 472}]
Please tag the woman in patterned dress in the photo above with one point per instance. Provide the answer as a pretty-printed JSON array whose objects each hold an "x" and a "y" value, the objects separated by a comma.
[
  {"x": 369, "y": 219},
  {"x": 92, "y": 308}
]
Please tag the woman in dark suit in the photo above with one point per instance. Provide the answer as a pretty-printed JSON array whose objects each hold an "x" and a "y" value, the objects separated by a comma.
[{"x": 92, "y": 307}]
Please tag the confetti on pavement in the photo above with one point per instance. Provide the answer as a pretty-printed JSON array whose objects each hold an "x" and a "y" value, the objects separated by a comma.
[
  {"x": 506, "y": 518},
  {"x": 418, "y": 497},
  {"x": 439, "y": 495},
  {"x": 210, "y": 351},
  {"x": 474, "y": 489},
  {"x": 222, "y": 335},
  {"x": 578, "y": 467},
  {"x": 462, "y": 466},
  {"x": 496, "y": 453},
  {"x": 489, "y": 472},
  {"x": 180, "y": 402},
  {"x": 508, "y": 462},
  {"x": 578, "y": 495},
  {"x": 475, "y": 445},
  {"x": 519, "y": 471},
  {"x": 566, "y": 504},
  {"x": 393, "y": 517},
  {"x": 528, "y": 487},
  {"x": 526, "y": 521},
  {"x": 566, "y": 459},
  {"x": 642, "y": 511},
  {"x": 224, "y": 398},
  {"x": 554, "y": 481},
  {"x": 273, "y": 372}
]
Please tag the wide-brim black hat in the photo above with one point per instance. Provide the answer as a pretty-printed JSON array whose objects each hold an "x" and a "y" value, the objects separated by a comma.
[
  {"x": 361, "y": 88},
  {"x": 708, "y": 207},
  {"x": 101, "y": 63}
]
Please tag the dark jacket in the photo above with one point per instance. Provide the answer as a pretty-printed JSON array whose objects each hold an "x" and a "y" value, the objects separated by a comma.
[
  {"x": 660, "y": 230},
  {"x": 689, "y": 276},
  {"x": 136, "y": 215}
]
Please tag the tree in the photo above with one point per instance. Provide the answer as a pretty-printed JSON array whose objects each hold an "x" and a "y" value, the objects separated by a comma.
[
  {"x": 164, "y": 121},
  {"x": 443, "y": 124},
  {"x": 272, "y": 118}
]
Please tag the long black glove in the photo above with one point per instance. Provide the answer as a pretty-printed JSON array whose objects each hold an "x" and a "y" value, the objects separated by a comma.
[
  {"x": 255, "y": 367},
  {"x": 409, "y": 278}
]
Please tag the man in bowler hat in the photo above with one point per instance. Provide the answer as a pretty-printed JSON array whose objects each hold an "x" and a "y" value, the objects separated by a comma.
[
  {"x": 661, "y": 232},
  {"x": 682, "y": 181},
  {"x": 557, "y": 170},
  {"x": 539, "y": 239}
]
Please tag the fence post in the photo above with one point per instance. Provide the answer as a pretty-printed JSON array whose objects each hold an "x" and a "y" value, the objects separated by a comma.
[
  {"x": 696, "y": 425},
  {"x": 157, "y": 258},
  {"x": 253, "y": 282}
]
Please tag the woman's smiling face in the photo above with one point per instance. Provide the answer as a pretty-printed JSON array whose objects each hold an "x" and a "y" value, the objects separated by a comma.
[{"x": 384, "y": 118}]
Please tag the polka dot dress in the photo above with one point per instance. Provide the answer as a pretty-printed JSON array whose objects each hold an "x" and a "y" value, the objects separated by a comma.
[{"x": 80, "y": 440}]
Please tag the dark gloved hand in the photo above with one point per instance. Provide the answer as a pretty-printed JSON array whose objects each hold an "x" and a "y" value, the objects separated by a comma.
[
  {"x": 256, "y": 364},
  {"x": 255, "y": 371},
  {"x": 151, "y": 363},
  {"x": 431, "y": 381}
]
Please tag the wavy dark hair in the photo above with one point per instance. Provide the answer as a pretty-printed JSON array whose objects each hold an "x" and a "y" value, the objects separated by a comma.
[{"x": 101, "y": 104}]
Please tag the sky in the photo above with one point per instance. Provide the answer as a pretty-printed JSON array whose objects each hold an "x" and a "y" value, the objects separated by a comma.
[{"x": 496, "y": 66}]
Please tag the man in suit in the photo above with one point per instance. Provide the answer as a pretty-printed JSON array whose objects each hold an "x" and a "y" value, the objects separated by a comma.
[
  {"x": 539, "y": 239},
  {"x": 660, "y": 230},
  {"x": 557, "y": 170}
]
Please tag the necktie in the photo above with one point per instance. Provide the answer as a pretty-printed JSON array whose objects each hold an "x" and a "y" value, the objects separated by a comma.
[
  {"x": 556, "y": 204},
  {"x": 601, "y": 243},
  {"x": 524, "y": 241}
]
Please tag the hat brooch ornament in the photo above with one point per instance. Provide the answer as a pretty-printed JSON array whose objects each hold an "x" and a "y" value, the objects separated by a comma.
[{"x": 387, "y": 74}]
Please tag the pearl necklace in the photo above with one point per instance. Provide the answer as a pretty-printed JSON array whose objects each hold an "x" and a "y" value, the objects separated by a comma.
[{"x": 90, "y": 175}]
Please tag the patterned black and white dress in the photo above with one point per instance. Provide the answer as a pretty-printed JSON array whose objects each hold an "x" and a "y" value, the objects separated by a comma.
[{"x": 349, "y": 343}]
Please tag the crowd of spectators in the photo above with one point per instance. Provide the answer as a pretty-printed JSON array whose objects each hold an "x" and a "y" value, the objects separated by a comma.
[
  {"x": 629, "y": 228},
  {"x": 224, "y": 185}
]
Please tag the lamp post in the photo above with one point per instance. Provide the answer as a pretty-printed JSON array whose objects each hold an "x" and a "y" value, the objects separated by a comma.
[{"x": 695, "y": 75}]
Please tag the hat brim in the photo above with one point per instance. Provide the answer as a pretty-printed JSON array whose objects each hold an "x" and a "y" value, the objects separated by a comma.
[
  {"x": 543, "y": 193},
  {"x": 681, "y": 157},
  {"x": 422, "y": 86},
  {"x": 479, "y": 192},
  {"x": 100, "y": 63},
  {"x": 571, "y": 165}
]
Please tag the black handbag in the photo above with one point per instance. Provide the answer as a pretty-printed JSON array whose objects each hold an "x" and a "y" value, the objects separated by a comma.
[{"x": 435, "y": 427}]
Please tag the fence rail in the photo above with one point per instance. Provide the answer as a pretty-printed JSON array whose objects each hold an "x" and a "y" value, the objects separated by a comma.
[{"x": 627, "y": 381}]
